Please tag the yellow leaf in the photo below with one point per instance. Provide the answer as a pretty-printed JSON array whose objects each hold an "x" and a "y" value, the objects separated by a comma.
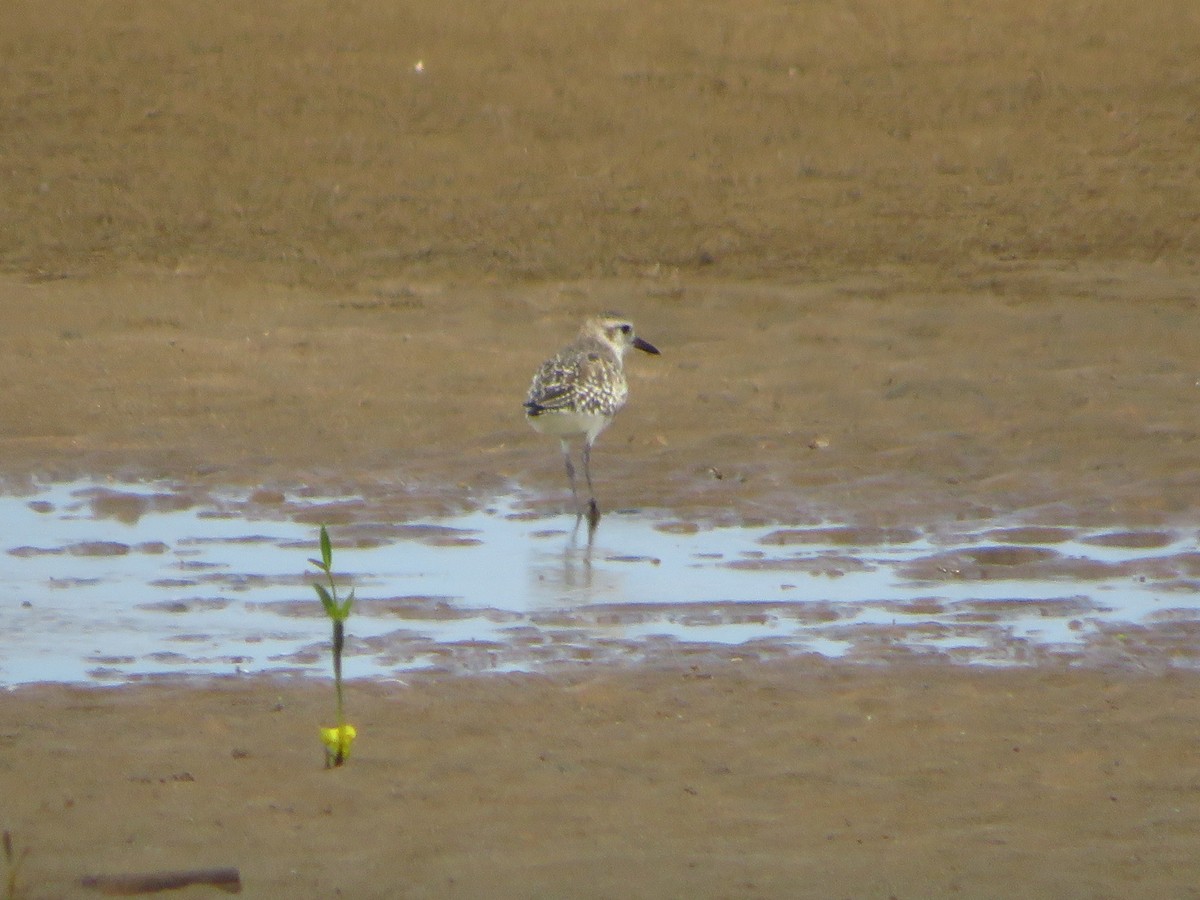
[{"x": 337, "y": 741}]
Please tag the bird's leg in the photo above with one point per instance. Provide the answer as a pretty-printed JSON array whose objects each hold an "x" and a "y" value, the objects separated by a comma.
[
  {"x": 566, "y": 451},
  {"x": 593, "y": 509}
]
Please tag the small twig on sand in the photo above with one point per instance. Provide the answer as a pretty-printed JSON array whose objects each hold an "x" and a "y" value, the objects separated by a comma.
[{"x": 227, "y": 879}]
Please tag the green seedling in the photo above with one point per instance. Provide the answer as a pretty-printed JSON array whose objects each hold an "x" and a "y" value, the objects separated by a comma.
[
  {"x": 14, "y": 861},
  {"x": 337, "y": 740}
]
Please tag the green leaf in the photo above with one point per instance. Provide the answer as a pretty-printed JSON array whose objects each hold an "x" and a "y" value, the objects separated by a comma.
[
  {"x": 331, "y": 608},
  {"x": 345, "y": 610},
  {"x": 326, "y": 548}
]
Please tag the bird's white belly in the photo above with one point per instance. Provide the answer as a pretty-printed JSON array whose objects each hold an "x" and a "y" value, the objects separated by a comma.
[{"x": 569, "y": 424}]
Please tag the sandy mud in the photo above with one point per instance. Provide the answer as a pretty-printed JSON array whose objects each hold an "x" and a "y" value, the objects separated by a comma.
[{"x": 906, "y": 264}]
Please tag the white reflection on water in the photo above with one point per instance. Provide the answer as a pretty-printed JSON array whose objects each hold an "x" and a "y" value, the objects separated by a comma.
[{"x": 116, "y": 582}]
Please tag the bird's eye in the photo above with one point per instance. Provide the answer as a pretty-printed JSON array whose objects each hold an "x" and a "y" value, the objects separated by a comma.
[{"x": 626, "y": 328}]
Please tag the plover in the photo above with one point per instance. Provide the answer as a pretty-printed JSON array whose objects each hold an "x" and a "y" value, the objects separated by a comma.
[{"x": 576, "y": 393}]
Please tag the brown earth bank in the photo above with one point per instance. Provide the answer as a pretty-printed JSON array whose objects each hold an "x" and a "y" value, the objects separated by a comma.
[
  {"x": 905, "y": 263},
  {"x": 310, "y": 143}
]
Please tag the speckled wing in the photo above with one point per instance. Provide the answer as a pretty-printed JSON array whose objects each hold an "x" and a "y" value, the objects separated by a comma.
[
  {"x": 582, "y": 382},
  {"x": 553, "y": 387},
  {"x": 600, "y": 388}
]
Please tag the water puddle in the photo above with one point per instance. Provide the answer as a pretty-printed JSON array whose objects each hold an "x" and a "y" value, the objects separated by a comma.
[{"x": 121, "y": 582}]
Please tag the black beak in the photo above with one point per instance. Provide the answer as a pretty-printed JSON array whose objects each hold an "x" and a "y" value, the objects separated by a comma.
[{"x": 645, "y": 346}]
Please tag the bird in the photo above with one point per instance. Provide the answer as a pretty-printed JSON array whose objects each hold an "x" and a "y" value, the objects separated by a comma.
[{"x": 577, "y": 392}]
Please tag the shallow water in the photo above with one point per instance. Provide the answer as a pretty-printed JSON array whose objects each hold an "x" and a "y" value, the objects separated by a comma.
[{"x": 118, "y": 582}]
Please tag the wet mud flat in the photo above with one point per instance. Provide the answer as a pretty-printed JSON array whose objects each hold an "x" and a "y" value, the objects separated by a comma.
[
  {"x": 723, "y": 710},
  {"x": 891, "y": 404},
  {"x": 916, "y": 271},
  {"x": 710, "y": 768},
  {"x": 119, "y": 582},
  {"x": 1052, "y": 392},
  {"x": 715, "y": 779}
]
